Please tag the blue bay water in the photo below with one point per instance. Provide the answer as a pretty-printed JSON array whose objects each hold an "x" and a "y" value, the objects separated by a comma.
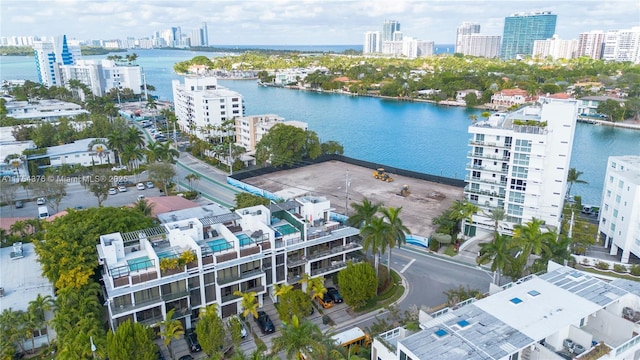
[{"x": 415, "y": 136}]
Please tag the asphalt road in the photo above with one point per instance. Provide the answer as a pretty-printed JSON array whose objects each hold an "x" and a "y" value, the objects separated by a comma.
[{"x": 212, "y": 183}]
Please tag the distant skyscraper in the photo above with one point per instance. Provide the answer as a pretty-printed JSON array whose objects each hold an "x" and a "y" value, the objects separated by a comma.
[
  {"x": 205, "y": 34},
  {"x": 521, "y": 30},
  {"x": 622, "y": 45},
  {"x": 479, "y": 45},
  {"x": 49, "y": 55},
  {"x": 389, "y": 28},
  {"x": 465, "y": 29},
  {"x": 590, "y": 44},
  {"x": 556, "y": 48},
  {"x": 371, "y": 42}
]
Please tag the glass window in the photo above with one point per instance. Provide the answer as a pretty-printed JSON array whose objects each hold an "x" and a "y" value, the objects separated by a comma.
[
  {"x": 615, "y": 213},
  {"x": 618, "y": 199},
  {"x": 620, "y": 184}
]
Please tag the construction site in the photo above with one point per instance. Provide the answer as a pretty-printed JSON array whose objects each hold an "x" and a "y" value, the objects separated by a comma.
[{"x": 344, "y": 183}]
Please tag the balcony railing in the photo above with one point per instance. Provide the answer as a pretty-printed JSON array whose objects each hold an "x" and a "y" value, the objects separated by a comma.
[
  {"x": 333, "y": 250},
  {"x": 119, "y": 309},
  {"x": 468, "y": 189},
  {"x": 333, "y": 266},
  {"x": 245, "y": 275},
  {"x": 487, "y": 143},
  {"x": 472, "y": 167},
  {"x": 175, "y": 295},
  {"x": 151, "y": 321},
  {"x": 291, "y": 263},
  {"x": 484, "y": 180},
  {"x": 487, "y": 156}
]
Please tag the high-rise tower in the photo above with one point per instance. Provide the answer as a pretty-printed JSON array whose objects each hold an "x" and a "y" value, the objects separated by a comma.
[
  {"x": 389, "y": 28},
  {"x": 521, "y": 30},
  {"x": 49, "y": 55},
  {"x": 371, "y": 42},
  {"x": 465, "y": 28}
]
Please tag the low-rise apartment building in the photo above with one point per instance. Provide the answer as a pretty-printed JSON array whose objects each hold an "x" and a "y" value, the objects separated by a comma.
[
  {"x": 188, "y": 263},
  {"x": 45, "y": 110},
  {"x": 510, "y": 97},
  {"x": 619, "y": 225},
  {"x": 251, "y": 129},
  {"x": 562, "y": 314},
  {"x": 85, "y": 152}
]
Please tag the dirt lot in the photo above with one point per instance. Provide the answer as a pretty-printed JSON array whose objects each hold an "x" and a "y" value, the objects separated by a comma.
[{"x": 426, "y": 200}]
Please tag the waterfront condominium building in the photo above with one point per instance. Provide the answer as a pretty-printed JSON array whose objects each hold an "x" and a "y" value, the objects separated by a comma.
[
  {"x": 251, "y": 129},
  {"x": 466, "y": 28},
  {"x": 619, "y": 225},
  {"x": 200, "y": 36},
  {"x": 561, "y": 314},
  {"x": 590, "y": 44},
  {"x": 521, "y": 30},
  {"x": 519, "y": 162},
  {"x": 487, "y": 46},
  {"x": 389, "y": 28},
  {"x": 371, "y": 42},
  {"x": 622, "y": 45},
  {"x": 103, "y": 76},
  {"x": 202, "y": 256},
  {"x": 556, "y": 48},
  {"x": 201, "y": 105},
  {"x": 49, "y": 55}
]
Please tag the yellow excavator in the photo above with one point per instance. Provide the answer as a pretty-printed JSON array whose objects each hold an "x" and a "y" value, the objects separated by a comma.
[{"x": 380, "y": 174}]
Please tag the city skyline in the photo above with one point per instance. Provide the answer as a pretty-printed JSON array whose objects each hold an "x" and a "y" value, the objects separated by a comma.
[{"x": 287, "y": 22}]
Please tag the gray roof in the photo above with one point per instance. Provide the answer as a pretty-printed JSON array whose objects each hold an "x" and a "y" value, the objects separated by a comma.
[
  {"x": 78, "y": 146},
  {"x": 287, "y": 205},
  {"x": 588, "y": 287},
  {"x": 206, "y": 211},
  {"x": 602, "y": 98}
]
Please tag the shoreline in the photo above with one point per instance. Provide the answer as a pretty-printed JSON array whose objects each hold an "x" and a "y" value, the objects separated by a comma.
[{"x": 625, "y": 124}]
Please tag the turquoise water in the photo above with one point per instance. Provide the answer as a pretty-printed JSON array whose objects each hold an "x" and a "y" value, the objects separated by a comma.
[
  {"x": 218, "y": 245},
  {"x": 415, "y": 136},
  {"x": 140, "y": 263},
  {"x": 167, "y": 254},
  {"x": 286, "y": 229},
  {"x": 244, "y": 239}
]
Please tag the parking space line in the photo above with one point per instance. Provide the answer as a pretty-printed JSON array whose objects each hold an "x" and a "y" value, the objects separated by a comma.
[{"x": 407, "y": 266}]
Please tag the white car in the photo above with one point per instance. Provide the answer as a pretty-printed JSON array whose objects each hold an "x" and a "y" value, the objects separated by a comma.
[
  {"x": 41, "y": 201},
  {"x": 150, "y": 185},
  {"x": 122, "y": 188},
  {"x": 118, "y": 168},
  {"x": 112, "y": 191},
  {"x": 140, "y": 186}
]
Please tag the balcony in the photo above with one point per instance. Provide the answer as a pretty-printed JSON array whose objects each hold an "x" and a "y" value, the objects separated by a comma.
[
  {"x": 487, "y": 143},
  {"x": 487, "y": 156},
  {"x": 175, "y": 295},
  {"x": 246, "y": 275},
  {"x": 333, "y": 266},
  {"x": 297, "y": 261},
  {"x": 468, "y": 189},
  {"x": 151, "y": 321},
  {"x": 485, "y": 181},
  {"x": 334, "y": 250},
  {"x": 119, "y": 309}
]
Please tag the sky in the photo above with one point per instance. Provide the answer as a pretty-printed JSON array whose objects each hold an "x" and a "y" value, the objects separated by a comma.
[{"x": 299, "y": 22}]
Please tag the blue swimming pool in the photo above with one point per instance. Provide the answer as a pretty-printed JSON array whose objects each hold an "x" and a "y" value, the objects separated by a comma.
[
  {"x": 167, "y": 254},
  {"x": 244, "y": 239},
  {"x": 218, "y": 245},
  {"x": 286, "y": 229},
  {"x": 140, "y": 263}
]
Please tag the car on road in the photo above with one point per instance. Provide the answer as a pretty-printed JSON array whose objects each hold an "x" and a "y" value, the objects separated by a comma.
[
  {"x": 186, "y": 357},
  {"x": 41, "y": 201},
  {"x": 140, "y": 186},
  {"x": 112, "y": 191},
  {"x": 150, "y": 185},
  {"x": 192, "y": 340},
  {"x": 265, "y": 323},
  {"x": 326, "y": 301},
  {"x": 335, "y": 295},
  {"x": 19, "y": 204},
  {"x": 140, "y": 197},
  {"x": 122, "y": 188}
]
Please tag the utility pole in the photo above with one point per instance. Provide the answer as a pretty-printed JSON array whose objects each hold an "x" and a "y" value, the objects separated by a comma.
[
  {"x": 346, "y": 198},
  {"x": 230, "y": 161}
]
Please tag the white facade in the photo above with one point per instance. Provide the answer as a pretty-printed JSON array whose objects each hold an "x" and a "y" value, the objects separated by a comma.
[
  {"x": 590, "y": 44},
  {"x": 622, "y": 45},
  {"x": 251, "y": 129},
  {"x": 620, "y": 211},
  {"x": 371, "y": 42},
  {"x": 466, "y": 28},
  {"x": 519, "y": 162},
  {"x": 408, "y": 47},
  {"x": 85, "y": 152},
  {"x": 201, "y": 105},
  {"x": 564, "y": 311},
  {"x": 87, "y": 72},
  {"x": 556, "y": 48},
  {"x": 251, "y": 249},
  {"x": 45, "y": 110},
  {"x": 480, "y": 45},
  {"x": 49, "y": 55},
  {"x": 121, "y": 76}
]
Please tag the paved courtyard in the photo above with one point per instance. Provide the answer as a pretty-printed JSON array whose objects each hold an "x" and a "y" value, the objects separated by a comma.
[{"x": 426, "y": 200}]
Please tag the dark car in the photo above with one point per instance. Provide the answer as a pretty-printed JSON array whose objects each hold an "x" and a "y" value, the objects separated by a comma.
[
  {"x": 334, "y": 294},
  {"x": 265, "y": 323},
  {"x": 186, "y": 357},
  {"x": 19, "y": 204},
  {"x": 192, "y": 340},
  {"x": 326, "y": 301},
  {"x": 159, "y": 355}
]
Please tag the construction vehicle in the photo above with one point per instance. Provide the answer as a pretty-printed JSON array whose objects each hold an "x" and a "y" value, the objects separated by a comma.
[
  {"x": 380, "y": 174},
  {"x": 405, "y": 191}
]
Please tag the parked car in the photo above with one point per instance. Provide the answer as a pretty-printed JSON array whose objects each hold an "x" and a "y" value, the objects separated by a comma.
[
  {"x": 112, "y": 191},
  {"x": 41, "y": 201},
  {"x": 19, "y": 204},
  {"x": 186, "y": 357},
  {"x": 124, "y": 182},
  {"x": 192, "y": 340},
  {"x": 159, "y": 355},
  {"x": 150, "y": 185},
  {"x": 265, "y": 323},
  {"x": 122, "y": 188},
  {"x": 118, "y": 168},
  {"x": 140, "y": 186},
  {"x": 326, "y": 301},
  {"x": 335, "y": 295},
  {"x": 243, "y": 328}
]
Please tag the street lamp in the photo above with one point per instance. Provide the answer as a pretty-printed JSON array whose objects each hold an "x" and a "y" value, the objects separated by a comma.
[{"x": 93, "y": 347}]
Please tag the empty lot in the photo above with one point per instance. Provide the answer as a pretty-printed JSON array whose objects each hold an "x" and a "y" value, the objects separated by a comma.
[{"x": 426, "y": 200}]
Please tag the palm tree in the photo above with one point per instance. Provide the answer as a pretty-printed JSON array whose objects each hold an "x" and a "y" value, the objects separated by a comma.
[
  {"x": 463, "y": 210},
  {"x": 364, "y": 213},
  {"x": 38, "y": 307},
  {"x": 498, "y": 252},
  {"x": 249, "y": 303},
  {"x": 299, "y": 337},
  {"x": 497, "y": 215},
  {"x": 191, "y": 178},
  {"x": 573, "y": 177},
  {"x": 375, "y": 237},
  {"x": 396, "y": 228},
  {"x": 133, "y": 136},
  {"x": 281, "y": 289},
  {"x": 171, "y": 329},
  {"x": 116, "y": 142},
  {"x": 531, "y": 237},
  {"x": 144, "y": 207},
  {"x": 131, "y": 155}
]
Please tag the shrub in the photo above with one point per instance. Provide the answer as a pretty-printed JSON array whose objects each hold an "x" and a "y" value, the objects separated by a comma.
[
  {"x": 635, "y": 270},
  {"x": 602, "y": 265},
  {"x": 450, "y": 251},
  {"x": 585, "y": 261},
  {"x": 619, "y": 268}
]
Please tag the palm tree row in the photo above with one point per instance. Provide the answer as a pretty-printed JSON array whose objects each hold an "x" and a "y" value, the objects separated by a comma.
[
  {"x": 18, "y": 326},
  {"x": 510, "y": 255},
  {"x": 379, "y": 232},
  {"x": 127, "y": 145}
]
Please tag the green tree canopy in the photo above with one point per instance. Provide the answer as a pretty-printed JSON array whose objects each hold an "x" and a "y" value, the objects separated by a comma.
[
  {"x": 358, "y": 283},
  {"x": 294, "y": 302},
  {"x": 131, "y": 340},
  {"x": 287, "y": 145},
  {"x": 210, "y": 330},
  {"x": 244, "y": 200}
]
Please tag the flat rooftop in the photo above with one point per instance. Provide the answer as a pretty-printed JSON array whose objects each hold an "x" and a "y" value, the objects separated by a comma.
[{"x": 21, "y": 278}]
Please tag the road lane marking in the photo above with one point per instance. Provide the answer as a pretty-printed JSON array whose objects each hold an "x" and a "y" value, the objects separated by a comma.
[{"x": 407, "y": 266}]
